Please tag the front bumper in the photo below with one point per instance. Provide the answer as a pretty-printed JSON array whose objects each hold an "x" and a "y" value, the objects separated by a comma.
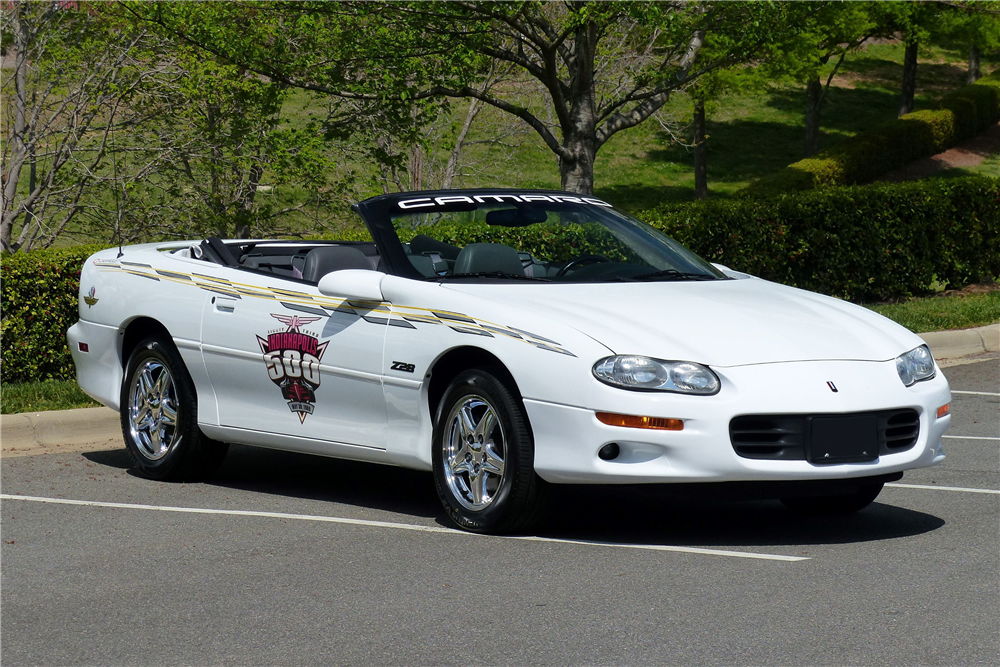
[{"x": 567, "y": 438}]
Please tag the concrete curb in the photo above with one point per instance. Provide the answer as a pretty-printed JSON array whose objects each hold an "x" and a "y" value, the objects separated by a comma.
[
  {"x": 93, "y": 429},
  {"x": 950, "y": 345},
  {"x": 57, "y": 431}
]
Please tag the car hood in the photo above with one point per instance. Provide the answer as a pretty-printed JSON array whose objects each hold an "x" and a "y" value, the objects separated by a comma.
[{"x": 720, "y": 323}]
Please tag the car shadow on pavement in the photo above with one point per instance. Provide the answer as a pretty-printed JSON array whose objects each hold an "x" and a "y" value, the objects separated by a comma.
[
  {"x": 658, "y": 516},
  {"x": 306, "y": 476},
  {"x": 112, "y": 458},
  {"x": 309, "y": 477},
  {"x": 619, "y": 515}
]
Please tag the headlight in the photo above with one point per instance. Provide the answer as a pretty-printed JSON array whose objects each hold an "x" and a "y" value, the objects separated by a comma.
[
  {"x": 915, "y": 365},
  {"x": 630, "y": 371}
]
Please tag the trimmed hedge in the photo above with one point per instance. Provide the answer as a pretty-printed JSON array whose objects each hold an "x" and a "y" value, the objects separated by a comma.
[
  {"x": 863, "y": 158},
  {"x": 39, "y": 302},
  {"x": 861, "y": 243}
]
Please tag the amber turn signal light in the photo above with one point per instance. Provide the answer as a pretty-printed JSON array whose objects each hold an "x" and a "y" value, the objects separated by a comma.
[
  {"x": 631, "y": 421},
  {"x": 944, "y": 410}
]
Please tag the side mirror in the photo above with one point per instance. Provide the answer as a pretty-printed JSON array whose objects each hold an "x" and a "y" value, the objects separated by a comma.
[{"x": 354, "y": 284}]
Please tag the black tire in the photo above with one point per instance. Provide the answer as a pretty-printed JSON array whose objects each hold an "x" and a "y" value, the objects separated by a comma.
[
  {"x": 842, "y": 504},
  {"x": 178, "y": 451},
  {"x": 514, "y": 500}
]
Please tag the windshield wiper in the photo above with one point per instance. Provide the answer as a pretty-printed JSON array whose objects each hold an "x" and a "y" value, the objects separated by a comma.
[
  {"x": 490, "y": 274},
  {"x": 673, "y": 274}
]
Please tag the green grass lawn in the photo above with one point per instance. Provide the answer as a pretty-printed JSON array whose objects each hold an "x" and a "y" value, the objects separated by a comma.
[
  {"x": 990, "y": 166},
  {"x": 940, "y": 313},
  {"x": 42, "y": 396}
]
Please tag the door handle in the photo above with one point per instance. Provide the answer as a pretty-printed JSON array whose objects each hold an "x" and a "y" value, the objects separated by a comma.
[{"x": 224, "y": 305}]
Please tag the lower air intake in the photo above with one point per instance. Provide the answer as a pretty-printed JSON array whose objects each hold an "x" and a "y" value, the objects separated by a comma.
[{"x": 785, "y": 437}]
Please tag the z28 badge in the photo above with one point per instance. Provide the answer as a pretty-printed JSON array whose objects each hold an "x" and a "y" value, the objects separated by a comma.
[{"x": 292, "y": 359}]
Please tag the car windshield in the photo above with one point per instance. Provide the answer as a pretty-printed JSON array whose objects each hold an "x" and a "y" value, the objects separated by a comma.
[{"x": 537, "y": 237}]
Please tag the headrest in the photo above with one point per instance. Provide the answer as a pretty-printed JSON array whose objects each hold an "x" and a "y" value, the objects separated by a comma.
[
  {"x": 321, "y": 261},
  {"x": 488, "y": 257}
]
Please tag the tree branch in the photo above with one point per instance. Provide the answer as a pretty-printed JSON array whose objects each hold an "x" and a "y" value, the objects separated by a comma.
[
  {"x": 653, "y": 100},
  {"x": 522, "y": 113}
]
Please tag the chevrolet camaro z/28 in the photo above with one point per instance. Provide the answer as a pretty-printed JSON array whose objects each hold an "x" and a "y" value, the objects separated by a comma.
[{"x": 504, "y": 340}]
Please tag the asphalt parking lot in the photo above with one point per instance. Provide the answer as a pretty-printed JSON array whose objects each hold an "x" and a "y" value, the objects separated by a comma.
[{"x": 285, "y": 559}]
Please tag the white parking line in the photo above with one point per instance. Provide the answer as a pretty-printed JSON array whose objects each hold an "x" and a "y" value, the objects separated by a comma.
[
  {"x": 943, "y": 488},
  {"x": 402, "y": 526},
  {"x": 974, "y": 393},
  {"x": 969, "y": 437}
]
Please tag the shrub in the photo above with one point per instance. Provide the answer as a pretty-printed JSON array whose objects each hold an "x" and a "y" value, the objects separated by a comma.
[
  {"x": 976, "y": 107},
  {"x": 866, "y": 243},
  {"x": 862, "y": 159},
  {"x": 39, "y": 302}
]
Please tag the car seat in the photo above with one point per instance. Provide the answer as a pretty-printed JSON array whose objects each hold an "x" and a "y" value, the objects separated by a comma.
[
  {"x": 323, "y": 260},
  {"x": 487, "y": 258}
]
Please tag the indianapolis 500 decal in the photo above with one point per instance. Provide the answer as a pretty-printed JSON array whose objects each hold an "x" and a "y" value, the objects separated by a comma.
[{"x": 292, "y": 359}]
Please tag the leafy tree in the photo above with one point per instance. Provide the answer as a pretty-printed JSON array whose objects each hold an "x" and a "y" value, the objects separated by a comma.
[
  {"x": 603, "y": 67},
  {"x": 75, "y": 72},
  {"x": 125, "y": 134},
  {"x": 437, "y": 155},
  {"x": 914, "y": 21},
  {"x": 973, "y": 27},
  {"x": 224, "y": 141},
  {"x": 704, "y": 97},
  {"x": 827, "y": 31}
]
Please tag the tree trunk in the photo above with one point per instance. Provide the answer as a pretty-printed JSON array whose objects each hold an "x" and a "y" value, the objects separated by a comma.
[
  {"x": 217, "y": 204},
  {"x": 451, "y": 169},
  {"x": 577, "y": 175},
  {"x": 580, "y": 137},
  {"x": 12, "y": 171},
  {"x": 244, "y": 215},
  {"x": 29, "y": 211},
  {"x": 909, "y": 78},
  {"x": 417, "y": 168},
  {"x": 700, "y": 152},
  {"x": 814, "y": 97},
  {"x": 973, "y": 74}
]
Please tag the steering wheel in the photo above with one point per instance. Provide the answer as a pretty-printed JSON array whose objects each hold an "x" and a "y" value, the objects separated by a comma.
[{"x": 577, "y": 261}]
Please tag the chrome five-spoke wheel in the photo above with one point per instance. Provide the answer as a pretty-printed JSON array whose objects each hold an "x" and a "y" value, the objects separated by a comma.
[
  {"x": 474, "y": 451},
  {"x": 159, "y": 416},
  {"x": 483, "y": 454},
  {"x": 152, "y": 411}
]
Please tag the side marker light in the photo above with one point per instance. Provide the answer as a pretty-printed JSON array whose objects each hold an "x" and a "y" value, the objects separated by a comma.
[
  {"x": 84, "y": 347},
  {"x": 944, "y": 410},
  {"x": 631, "y": 421}
]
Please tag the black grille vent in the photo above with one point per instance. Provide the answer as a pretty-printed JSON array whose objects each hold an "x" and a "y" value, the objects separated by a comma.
[
  {"x": 897, "y": 430},
  {"x": 783, "y": 437},
  {"x": 774, "y": 437}
]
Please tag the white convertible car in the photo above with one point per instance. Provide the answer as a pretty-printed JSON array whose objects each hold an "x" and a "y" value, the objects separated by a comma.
[{"x": 505, "y": 340}]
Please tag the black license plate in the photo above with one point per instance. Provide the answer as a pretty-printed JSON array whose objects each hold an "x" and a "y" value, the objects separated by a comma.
[{"x": 843, "y": 439}]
